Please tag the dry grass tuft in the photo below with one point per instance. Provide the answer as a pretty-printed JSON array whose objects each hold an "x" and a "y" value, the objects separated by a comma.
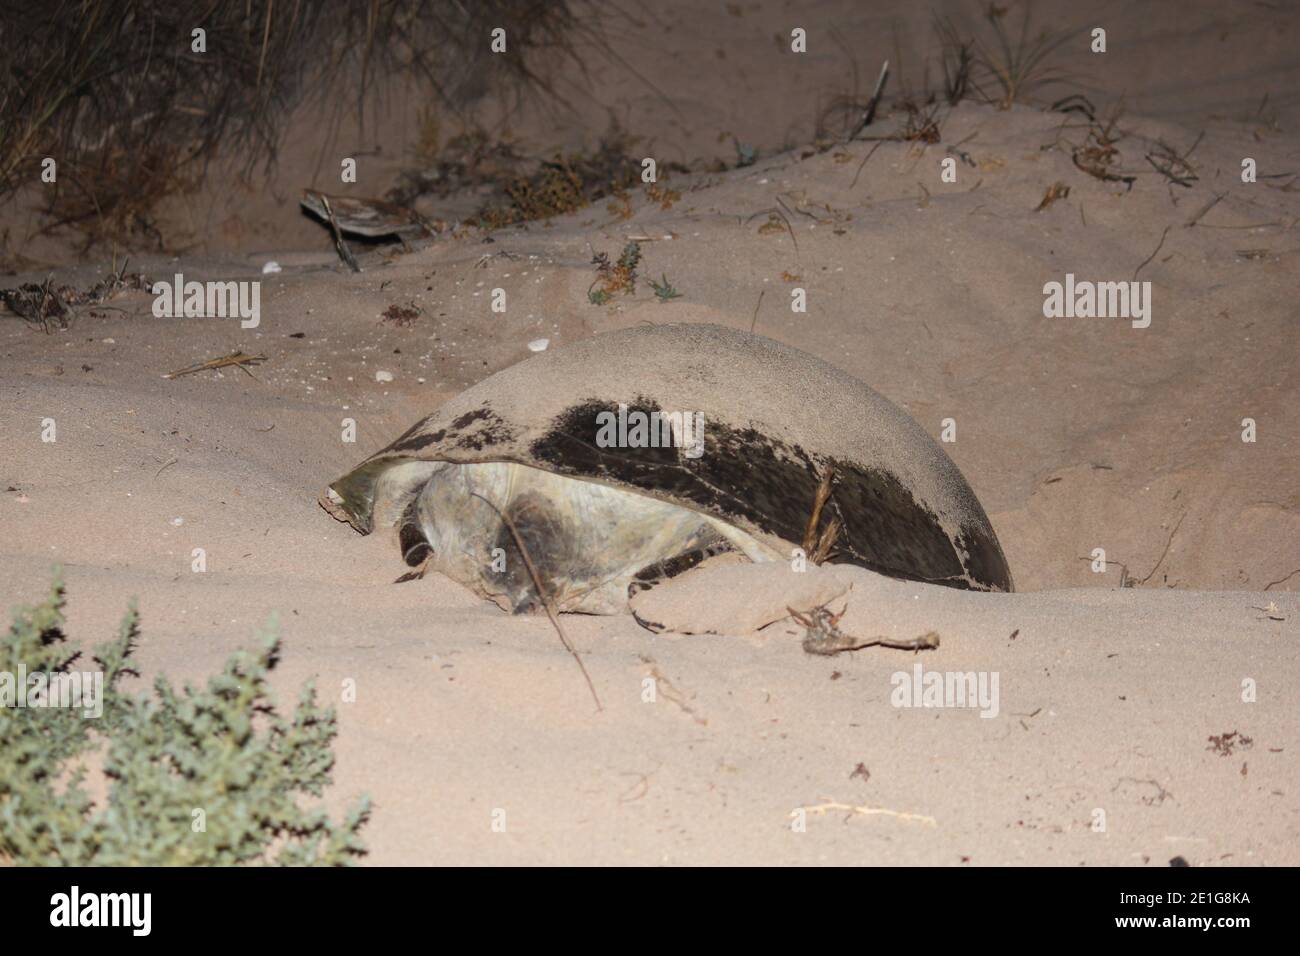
[
  {"x": 1018, "y": 64},
  {"x": 818, "y": 539},
  {"x": 566, "y": 184}
]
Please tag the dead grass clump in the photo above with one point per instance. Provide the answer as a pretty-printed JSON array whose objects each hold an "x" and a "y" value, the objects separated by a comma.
[
  {"x": 40, "y": 304},
  {"x": 1098, "y": 154},
  {"x": 662, "y": 195},
  {"x": 470, "y": 159},
  {"x": 557, "y": 189},
  {"x": 564, "y": 184},
  {"x": 43, "y": 305}
]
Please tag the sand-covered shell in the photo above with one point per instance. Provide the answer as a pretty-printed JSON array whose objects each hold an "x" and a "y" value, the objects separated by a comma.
[{"x": 741, "y": 431}]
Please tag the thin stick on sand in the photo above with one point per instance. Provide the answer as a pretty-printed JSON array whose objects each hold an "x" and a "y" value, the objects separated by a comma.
[
  {"x": 546, "y": 598},
  {"x": 757, "y": 306},
  {"x": 1165, "y": 553},
  {"x": 870, "y": 153},
  {"x": 340, "y": 246},
  {"x": 850, "y": 810},
  {"x": 237, "y": 359},
  {"x": 1153, "y": 253}
]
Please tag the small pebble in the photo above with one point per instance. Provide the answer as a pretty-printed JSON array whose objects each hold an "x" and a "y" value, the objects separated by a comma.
[
  {"x": 538, "y": 345},
  {"x": 383, "y": 376},
  {"x": 178, "y": 521},
  {"x": 271, "y": 266}
]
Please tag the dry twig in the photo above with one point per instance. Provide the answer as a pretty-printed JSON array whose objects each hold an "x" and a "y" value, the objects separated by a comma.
[
  {"x": 547, "y": 602},
  {"x": 851, "y": 811},
  {"x": 823, "y": 636},
  {"x": 238, "y": 359}
]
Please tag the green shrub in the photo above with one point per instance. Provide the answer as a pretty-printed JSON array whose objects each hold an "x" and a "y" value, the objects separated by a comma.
[{"x": 206, "y": 776}]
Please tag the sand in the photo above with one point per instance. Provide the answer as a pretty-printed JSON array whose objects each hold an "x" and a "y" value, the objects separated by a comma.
[{"x": 1075, "y": 433}]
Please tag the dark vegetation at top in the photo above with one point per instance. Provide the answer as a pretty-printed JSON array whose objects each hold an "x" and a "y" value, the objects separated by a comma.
[{"x": 114, "y": 91}]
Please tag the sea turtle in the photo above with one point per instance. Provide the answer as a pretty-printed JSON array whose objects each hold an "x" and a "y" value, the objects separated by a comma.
[{"x": 631, "y": 455}]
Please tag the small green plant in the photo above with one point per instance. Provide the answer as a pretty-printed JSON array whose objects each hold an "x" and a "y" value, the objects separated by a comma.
[
  {"x": 203, "y": 776},
  {"x": 664, "y": 290},
  {"x": 613, "y": 277}
]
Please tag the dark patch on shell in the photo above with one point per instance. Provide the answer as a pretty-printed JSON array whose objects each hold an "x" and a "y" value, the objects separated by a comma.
[
  {"x": 405, "y": 442},
  {"x": 985, "y": 553},
  {"x": 417, "y": 442},
  {"x": 570, "y": 446},
  {"x": 771, "y": 484},
  {"x": 473, "y": 431}
]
